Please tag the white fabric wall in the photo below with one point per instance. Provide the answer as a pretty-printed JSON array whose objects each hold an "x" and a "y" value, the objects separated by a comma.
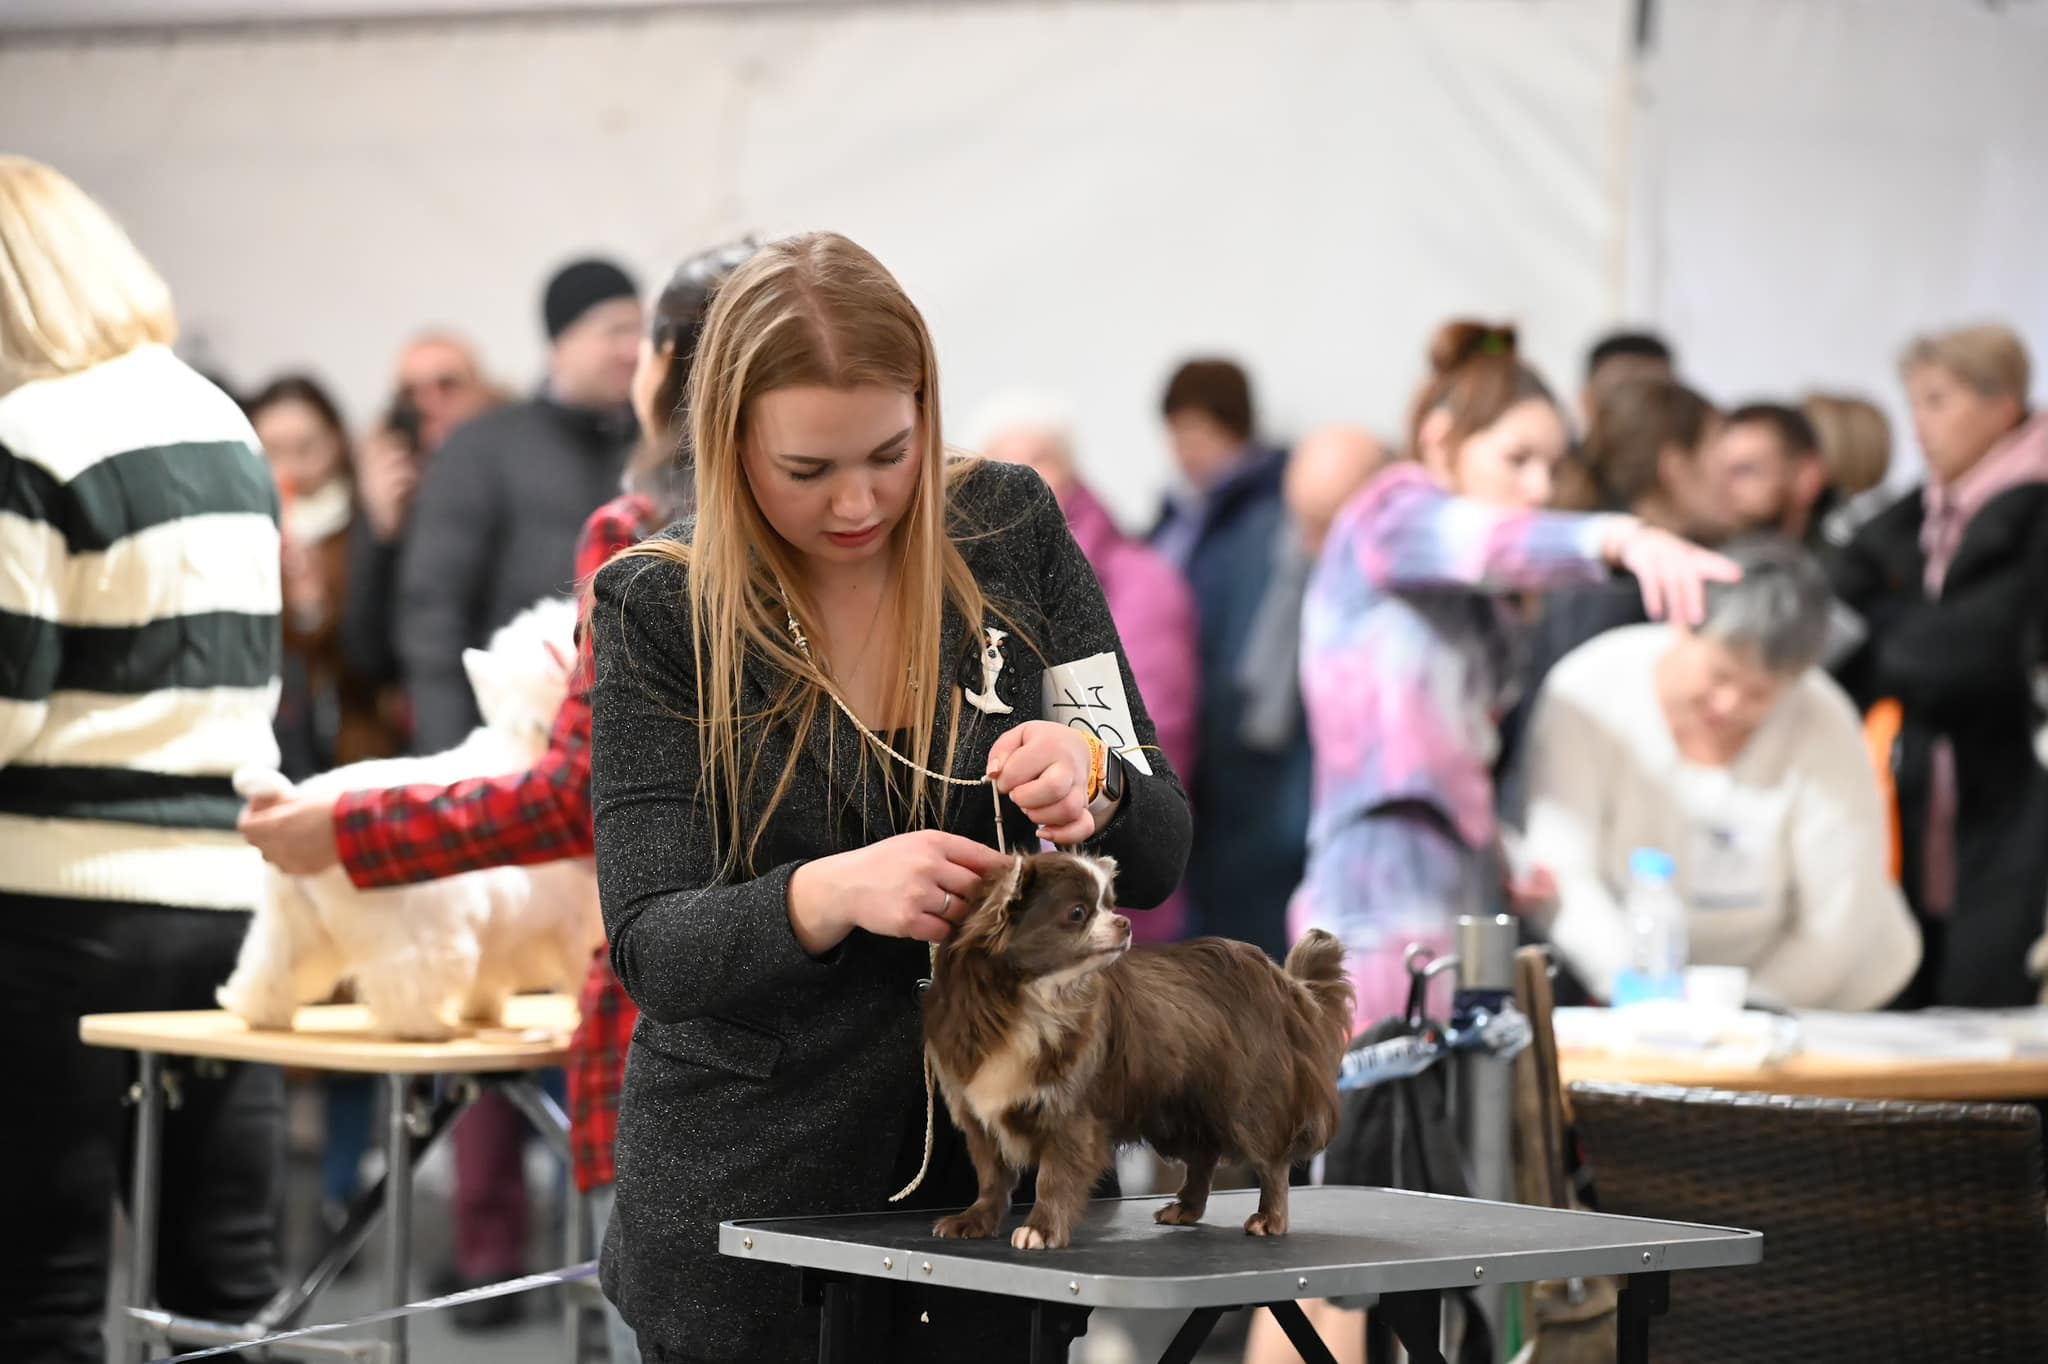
[
  {"x": 1077, "y": 193},
  {"x": 1818, "y": 180}
]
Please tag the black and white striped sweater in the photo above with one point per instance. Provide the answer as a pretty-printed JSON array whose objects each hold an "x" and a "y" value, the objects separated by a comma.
[{"x": 139, "y": 635}]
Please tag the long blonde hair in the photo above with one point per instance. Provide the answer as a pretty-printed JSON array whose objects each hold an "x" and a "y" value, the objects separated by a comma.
[
  {"x": 809, "y": 310},
  {"x": 1855, "y": 440},
  {"x": 74, "y": 291}
]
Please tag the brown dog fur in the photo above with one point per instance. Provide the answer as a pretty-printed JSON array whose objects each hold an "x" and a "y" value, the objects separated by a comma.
[{"x": 1055, "y": 1043}]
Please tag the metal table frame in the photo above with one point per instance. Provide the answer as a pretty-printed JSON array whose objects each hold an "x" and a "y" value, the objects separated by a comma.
[
  {"x": 1481, "y": 1244},
  {"x": 413, "y": 1122}
]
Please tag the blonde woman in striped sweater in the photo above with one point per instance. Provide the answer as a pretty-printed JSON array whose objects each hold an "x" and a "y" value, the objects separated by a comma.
[{"x": 139, "y": 648}]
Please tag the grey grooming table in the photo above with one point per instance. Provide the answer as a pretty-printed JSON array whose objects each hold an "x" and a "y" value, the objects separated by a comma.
[{"x": 1404, "y": 1248}]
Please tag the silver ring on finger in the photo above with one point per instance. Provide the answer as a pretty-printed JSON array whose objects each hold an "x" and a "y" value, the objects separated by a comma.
[{"x": 946, "y": 910}]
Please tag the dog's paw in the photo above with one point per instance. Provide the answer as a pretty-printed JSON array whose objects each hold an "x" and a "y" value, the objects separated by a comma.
[
  {"x": 1266, "y": 1224},
  {"x": 969, "y": 1225},
  {"x": 1029, "y": 1237},
  {"x": 255, "y": 1010},
  {"x": 1177, "y": 1214}
]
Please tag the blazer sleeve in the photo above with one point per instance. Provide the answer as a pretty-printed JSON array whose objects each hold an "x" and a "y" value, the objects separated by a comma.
[
  {"x": 687, "y": 937},
  {"x": 1150, "y": 833}
]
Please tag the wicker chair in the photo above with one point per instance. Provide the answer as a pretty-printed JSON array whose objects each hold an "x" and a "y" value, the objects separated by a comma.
[{"x": 1892, "y": 1231}]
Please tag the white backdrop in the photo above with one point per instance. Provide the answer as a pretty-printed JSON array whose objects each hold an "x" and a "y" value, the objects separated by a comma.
[
  {"x": 1078, "y": 194},
  {"x": 1820, "y": 179}
]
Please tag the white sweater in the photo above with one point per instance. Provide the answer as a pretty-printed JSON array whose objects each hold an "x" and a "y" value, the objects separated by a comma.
[
  {"x": 139, "y": 641},
  {"x": 1781, "y": 856}
]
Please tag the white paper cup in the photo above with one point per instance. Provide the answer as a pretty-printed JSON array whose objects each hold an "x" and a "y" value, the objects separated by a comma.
[{"x": 1717, "y": 987}]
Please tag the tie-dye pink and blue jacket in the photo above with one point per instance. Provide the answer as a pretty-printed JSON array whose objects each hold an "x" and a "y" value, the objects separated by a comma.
[{"x": 1406, "y": 646}]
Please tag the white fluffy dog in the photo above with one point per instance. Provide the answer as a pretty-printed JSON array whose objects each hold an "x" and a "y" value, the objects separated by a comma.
[{"x": 425, "y": 958}]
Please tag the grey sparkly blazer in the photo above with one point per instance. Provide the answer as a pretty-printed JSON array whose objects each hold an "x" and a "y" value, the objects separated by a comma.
[{"x": 763, "y": 1081}]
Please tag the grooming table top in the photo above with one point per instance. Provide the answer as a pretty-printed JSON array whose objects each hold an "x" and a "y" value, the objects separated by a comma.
[
  {"x": 337, "y": 1037},
  {"x": 1341, "y": 1241}
]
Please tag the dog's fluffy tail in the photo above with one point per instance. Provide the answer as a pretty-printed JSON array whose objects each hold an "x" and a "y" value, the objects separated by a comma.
[
  {"x": 1317, "y": 961},
  {"x": 251, "y": 782}
]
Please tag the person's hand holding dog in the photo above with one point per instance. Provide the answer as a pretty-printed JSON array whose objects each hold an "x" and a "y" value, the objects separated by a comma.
[{"x": 295, "y": 834}]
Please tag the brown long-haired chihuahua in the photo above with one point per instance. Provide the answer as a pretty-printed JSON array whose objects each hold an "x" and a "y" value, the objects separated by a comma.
[{"x": 1055, "y": 1043}]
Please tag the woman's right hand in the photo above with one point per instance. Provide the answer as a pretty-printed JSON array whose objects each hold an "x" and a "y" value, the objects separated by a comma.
[
  {"x": 1673, "y": 572},
  {"x": 915, "y": 885}
]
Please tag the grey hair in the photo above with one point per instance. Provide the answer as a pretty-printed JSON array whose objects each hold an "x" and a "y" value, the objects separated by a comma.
[{"x": 1778, "y": 610}]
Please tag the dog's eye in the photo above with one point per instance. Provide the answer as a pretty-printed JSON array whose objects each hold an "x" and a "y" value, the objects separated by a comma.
[{"x": 1077, "y": 915}]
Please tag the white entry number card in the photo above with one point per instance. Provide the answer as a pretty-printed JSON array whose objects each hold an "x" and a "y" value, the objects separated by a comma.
[{"x": 1089, "y": 694}]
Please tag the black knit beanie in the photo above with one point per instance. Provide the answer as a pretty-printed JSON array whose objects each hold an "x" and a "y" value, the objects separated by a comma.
[{"x": 580, "y": 286}]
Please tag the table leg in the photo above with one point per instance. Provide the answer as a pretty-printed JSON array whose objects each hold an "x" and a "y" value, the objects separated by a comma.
[
  {"x": 1188, "y": 1342},
  {"x": 836, "y": 1344},
  {"x": 1415, "y": 1319},
  {"x": 543, "y": 1112},
  {"x": 1054, "y": 1329},
  {"x": 1301, "y": 1334},
  {"x": 397, "y": 1210},
  {"x": 288, "y": 1308},
  {"x": 143, "y": 1199},
  {"x": 1642, "y": 1296},
  {"x": 583, "y": 1319}
]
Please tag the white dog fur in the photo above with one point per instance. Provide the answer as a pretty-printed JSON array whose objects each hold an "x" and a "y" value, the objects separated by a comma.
[{"x": 427, "y": 958}]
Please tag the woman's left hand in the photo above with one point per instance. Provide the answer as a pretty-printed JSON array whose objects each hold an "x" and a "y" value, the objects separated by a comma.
[
  {"x": 295, "y": 834},
  {"x": 1043, "y": 767}
]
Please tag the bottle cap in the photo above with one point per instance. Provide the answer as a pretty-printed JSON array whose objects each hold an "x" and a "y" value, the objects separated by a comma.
[{"x": 1649, "y": 864}]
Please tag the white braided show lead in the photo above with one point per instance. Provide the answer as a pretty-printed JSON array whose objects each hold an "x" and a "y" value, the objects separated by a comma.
[{"x": 931, "y": 1106}]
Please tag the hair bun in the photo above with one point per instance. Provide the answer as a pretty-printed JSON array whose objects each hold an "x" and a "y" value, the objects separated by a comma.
[{"x": 1463, "y": 340}]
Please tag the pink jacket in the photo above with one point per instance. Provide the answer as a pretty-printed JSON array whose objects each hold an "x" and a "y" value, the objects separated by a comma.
[{"x": 1154, "y": 611}]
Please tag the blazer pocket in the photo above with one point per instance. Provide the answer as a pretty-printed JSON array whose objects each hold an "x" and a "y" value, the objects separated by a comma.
[{"x": 719, "y": 1044}]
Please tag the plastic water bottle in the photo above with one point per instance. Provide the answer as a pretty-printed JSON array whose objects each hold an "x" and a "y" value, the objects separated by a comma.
[{"x": 1656, "y": 931}]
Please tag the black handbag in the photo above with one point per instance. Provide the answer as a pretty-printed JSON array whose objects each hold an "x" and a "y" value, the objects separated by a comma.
[{"x": 1398, "y": 1134}]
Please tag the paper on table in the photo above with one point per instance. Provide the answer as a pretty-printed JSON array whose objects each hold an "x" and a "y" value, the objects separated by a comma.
[
  {"x": 1088, "y": 693},
  {"x": 1955, "y": 1036},
  {"x": 1708, "y": 1037}
]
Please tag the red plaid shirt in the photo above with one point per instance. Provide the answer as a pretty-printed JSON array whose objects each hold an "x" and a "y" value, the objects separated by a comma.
[{"x": 406, "y": 834}]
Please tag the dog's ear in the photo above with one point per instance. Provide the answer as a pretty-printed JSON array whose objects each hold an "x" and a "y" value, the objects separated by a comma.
[
  {"x": 1107, "y": 866},
  {"x": 1002, "y": 888}
]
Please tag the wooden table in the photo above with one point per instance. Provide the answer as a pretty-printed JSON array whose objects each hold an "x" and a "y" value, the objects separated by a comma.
[
  {"x": 2019, "y": 1078},
  {"x": 332, "y": 1038}
]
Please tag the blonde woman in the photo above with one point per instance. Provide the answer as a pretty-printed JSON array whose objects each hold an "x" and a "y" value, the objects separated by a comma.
[
  {"x": 1856, "y": 451},
  {"x": 139, "y": 606},
  {"x": 1953, "y": 583},
  {"x": 797, "y": 781}
]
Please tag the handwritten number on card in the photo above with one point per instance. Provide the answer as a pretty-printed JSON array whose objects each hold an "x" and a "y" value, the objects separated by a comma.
[{"x": 1088, "y": 694}]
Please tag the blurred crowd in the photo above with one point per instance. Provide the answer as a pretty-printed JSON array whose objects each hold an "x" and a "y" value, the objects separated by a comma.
[{"x": 1406, "y": 674}]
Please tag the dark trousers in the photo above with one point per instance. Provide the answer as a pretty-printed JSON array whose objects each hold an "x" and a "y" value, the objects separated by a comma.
[
  {"x": 490, "y": 1192},
  {"x": 66, "y": 1145}
]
